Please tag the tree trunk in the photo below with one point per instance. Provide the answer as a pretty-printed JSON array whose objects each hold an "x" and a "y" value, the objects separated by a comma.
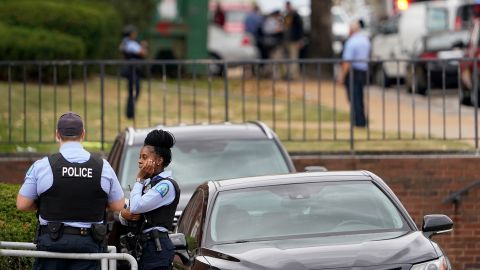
[{"x": 321, "y": 32}]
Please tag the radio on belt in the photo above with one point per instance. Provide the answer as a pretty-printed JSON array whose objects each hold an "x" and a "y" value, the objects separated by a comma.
[{"x": 77, "y": 172}]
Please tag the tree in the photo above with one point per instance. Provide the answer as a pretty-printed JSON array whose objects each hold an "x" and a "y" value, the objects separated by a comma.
[{"x": 321, "y": 31}]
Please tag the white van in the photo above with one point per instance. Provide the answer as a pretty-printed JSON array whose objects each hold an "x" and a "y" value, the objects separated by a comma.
[{"x": 397, "y": 36}]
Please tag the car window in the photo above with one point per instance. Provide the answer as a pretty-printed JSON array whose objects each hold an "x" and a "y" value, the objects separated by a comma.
[
  {"x": 191, "y": 222},
  {"x": 307, "y": 208},
  {"x": 114, "y": 157},
  {"x": 194, "y": 162},
  {"x": 389, "y": 26},
  {"x": 437, "y": 19}
]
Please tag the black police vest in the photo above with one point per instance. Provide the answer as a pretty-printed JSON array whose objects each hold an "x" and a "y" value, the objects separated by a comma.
[
  {"x": 163, "y": 216},
  {"x": 76, "y": 194}
]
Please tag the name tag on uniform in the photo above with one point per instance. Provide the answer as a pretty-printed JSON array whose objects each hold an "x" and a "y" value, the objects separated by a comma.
[{"x": 77, "y": 172}]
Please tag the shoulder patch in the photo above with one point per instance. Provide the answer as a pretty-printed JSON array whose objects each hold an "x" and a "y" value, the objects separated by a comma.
[{"x": 162, "y": 188}]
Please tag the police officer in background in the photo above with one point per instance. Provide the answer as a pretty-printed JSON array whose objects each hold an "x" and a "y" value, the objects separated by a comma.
[
  {"x": 71, "y": 191},
  {"x": 132, "y": 50},
  {"x": 153, "y": 202},
  {"x": 356, "y": 53}
]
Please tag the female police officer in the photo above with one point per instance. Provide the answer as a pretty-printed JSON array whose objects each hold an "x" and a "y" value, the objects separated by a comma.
[{"x": 153, "y": 201}]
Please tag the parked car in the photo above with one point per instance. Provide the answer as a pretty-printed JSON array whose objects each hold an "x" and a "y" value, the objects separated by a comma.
[
  {"x": 206, "y": 152},
  {"x": 467, "y": 95},
  {"x": 201, "y": 153},
  {"x": 329, "y": 220},
  {"x": 230, "y": 42},
  {"x": 396, "y": 37},
  {"x": 229, "y": 46},
  {"x": 436, "y": 54}
]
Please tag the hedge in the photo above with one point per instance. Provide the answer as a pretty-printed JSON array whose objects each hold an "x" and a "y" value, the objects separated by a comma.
[
  {"x": 97, "y": 25},
  {"x": 21, "y": 43},
  {"x": 14, "y": 226}
]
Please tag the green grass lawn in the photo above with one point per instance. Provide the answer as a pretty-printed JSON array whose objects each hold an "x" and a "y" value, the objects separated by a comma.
[{"x": 298, "y": 119}]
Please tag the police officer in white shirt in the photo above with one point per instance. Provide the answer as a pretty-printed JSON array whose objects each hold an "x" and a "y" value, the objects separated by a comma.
[{"x": 71, "y": 191}]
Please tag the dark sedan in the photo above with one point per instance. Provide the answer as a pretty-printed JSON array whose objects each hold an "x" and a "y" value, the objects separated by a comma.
[{"x": 328, "y": 220}]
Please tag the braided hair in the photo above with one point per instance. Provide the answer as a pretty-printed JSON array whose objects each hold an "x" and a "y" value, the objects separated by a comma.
[{"x": 161, "y": 141}]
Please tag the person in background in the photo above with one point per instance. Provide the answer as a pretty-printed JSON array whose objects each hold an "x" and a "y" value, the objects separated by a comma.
[
  {"x": 219, "y": 15},
  {"x": 272, "y": 29},
  {"x": 356, "y": 54},
  {"x": 293, "y": 27},
  {"x": 253, "y": 26},
  {"x": 132, "y": 50},
  {"x": 153, "y": 202},
  {"x": 71, "y": 191}
]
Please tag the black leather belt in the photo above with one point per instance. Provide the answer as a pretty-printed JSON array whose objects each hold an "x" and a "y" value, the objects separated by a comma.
[
  {"x": 149, "y": 236},
  {"x": 68, "y": 230}
]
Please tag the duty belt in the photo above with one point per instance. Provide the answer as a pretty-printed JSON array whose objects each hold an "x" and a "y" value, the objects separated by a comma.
[{"x": 68, "y": 230}]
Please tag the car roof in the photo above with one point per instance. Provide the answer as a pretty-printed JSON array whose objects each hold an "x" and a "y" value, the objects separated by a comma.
[
  {"x": 222, "y": 131},
  {"x": 268, "y": 180}
]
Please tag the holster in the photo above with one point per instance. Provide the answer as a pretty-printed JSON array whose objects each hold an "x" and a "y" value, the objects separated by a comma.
[
  {"x": 156, "y": 238},
  {"x": 99, "y": 232},
  {"x": 55, "y": 230}
]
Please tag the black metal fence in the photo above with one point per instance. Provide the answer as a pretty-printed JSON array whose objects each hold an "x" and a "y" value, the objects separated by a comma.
[{"x": 310, "y": 107}]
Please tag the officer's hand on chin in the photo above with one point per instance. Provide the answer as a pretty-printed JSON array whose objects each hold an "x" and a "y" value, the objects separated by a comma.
[{"x": 126, "y": 214}]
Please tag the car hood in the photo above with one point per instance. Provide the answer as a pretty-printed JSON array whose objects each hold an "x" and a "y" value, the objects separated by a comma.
[{"x": 369, "y": 251}]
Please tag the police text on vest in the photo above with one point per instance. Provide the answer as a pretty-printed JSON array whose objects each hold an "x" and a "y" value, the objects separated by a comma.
[{"x": 77, "y": 172}]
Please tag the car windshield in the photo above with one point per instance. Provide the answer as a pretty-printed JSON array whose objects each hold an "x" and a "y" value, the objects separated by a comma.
[
  {"x": 281, "y": 211},
  {"x": 194, "y": 162}
]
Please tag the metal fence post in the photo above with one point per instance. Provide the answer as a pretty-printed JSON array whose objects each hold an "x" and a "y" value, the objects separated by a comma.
[
  {"x": 475, "y": 92},
  {"x": 102, "y": 105},
  {"x": 352, "y": 107},
  {"x": 225, "y": 85}
]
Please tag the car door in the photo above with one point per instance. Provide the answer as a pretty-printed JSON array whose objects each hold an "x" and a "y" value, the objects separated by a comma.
[{"x": 191, "y": 223}]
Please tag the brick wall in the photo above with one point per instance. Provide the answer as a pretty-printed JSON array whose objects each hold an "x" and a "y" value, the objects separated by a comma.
[{"x": 421, "y": 183}]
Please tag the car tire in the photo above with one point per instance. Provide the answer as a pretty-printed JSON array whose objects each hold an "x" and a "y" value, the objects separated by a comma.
[
  {"x": 474, "y": 99},
  {"x": 420, "y": 80},
  {"x": 215, "y": 69},
  {"x": 380, "y": 78},
  {"x": 464, "y": 98}
]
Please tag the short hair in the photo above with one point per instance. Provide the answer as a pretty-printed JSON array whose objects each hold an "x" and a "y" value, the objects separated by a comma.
[
  {"x": 69, "y": 138},
  {"x": 161, "y": 141}
]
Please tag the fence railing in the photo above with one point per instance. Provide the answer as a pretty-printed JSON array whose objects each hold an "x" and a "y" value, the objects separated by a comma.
[
  {"x": 108, "y": 260},
  {"x": 420, "y": 101}
]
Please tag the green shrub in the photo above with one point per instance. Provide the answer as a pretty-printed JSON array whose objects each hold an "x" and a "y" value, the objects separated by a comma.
[
  {"x": 96, "y": 24},
  {"x": 21, "y": 43},
  {"x": 14, "y": 226}
]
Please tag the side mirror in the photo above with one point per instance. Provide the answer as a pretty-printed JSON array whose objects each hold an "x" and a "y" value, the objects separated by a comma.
[
  {"x": 315, "y": 169},
  {"x": 436, "y": 224},
  {"x": 180, "y": 243}
]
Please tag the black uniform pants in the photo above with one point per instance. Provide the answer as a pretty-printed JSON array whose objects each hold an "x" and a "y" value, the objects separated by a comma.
[
  {"x": 133, "y": 78},
  {"x": 157, "y": 260},
  {"x": 67, "y": 243},
  {"x": 359, "y": 79}
]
